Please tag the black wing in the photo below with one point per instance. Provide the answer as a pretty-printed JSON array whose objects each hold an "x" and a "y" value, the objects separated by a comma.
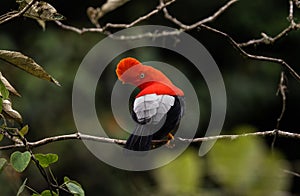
[{"x": 162, "y": 114}]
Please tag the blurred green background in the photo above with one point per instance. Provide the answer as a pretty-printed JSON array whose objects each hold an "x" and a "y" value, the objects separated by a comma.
[{"x": 239, "y": 167}]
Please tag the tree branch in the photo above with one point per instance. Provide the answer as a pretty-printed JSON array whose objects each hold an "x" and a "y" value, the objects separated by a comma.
[
  {"x": 111, "y": 25},
  {"x": 80, "y": 136},
  {"x": 140, "y": 19},
  {"x": 282, "y": 87},
  {"x": 270, "y": 40},
  {"x": 265, "y": 39},
  {"x": 13, "y": 14},
  {"x": 251, "y": 56},
  {"x": 199, "y": 23}
]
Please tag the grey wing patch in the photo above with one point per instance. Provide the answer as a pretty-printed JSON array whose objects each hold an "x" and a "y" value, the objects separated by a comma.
[{"x": 152, "y": 107}]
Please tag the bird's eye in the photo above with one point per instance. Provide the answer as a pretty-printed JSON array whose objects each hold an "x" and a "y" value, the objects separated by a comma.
[{"x": 142, "y": 75}]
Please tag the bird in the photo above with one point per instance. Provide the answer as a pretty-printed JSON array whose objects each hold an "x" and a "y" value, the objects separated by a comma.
[{"x": 157, "y": 108}]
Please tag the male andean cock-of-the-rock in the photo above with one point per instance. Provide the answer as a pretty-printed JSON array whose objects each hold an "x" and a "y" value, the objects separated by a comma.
[{"x": 157, "y": 108}]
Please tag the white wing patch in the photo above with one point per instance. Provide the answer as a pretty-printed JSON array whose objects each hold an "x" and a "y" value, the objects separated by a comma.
[{"x": 152, "y": 107}]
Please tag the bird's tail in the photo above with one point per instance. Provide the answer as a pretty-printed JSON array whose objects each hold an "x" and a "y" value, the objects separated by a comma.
[{"x": 139, "y": 140}]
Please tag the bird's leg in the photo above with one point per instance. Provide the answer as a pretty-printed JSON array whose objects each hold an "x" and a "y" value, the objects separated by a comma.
[{"x": 170, "y": 138}]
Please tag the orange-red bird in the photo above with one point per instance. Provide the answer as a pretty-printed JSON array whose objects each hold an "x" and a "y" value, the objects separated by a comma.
[{"x": 157, "y": 108}]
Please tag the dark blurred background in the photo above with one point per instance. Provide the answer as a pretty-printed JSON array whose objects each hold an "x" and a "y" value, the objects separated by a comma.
[{"x": 240, "y": 167}]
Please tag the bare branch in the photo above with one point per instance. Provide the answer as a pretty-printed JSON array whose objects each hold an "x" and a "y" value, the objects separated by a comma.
[
  {"x": 13, "y": 14},
  {"x": 77, "y": 136},
  {"x": 232, "y": 137},
  {"x": 140, "y": 19},
  {"x": 281, "y": 89},
  {"x": 292, "y": 173},
  {"x": 80, "y": 136},
  {"x": 79, "y": 30},
  {"x": 270, "y": 40},
  {"x": 96, "y": 13},
  {"x": 291, "y": 11},
  {"x": 251, "y": 56},
  {"x": 111, "y": 25},
  {"x": 161, "y": 6},
  {"x": 199, "y": 23}
]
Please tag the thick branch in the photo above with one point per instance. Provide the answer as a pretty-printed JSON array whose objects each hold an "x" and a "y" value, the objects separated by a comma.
[
  {"x": 80, "y": 136},
  {"x": 73, "y": 136}
]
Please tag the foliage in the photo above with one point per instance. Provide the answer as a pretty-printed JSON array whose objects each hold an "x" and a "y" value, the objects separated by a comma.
[
  {"x": 243, "y": 166},
  {"x": 26, "y": 63},
  {"x": 74, "y": 187},
  {"x": 20, "y": 160},
  {"x": 2, "y": 163},
  {"x": 46, "y": 159}
]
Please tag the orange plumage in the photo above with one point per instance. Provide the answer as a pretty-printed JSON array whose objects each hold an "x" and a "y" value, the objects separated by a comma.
[{"x": 148, "y": 79}]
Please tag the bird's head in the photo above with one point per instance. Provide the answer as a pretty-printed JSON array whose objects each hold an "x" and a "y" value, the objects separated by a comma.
[
  {"x": 130, "y": 70},
  {"x": 127, "y": 70}
]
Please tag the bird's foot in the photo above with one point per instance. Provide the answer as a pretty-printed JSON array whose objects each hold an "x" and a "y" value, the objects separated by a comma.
[{"x": 169, "y": 143}]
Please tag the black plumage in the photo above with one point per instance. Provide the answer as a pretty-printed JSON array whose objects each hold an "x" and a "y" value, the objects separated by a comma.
[{"x": 146, "y": 131}]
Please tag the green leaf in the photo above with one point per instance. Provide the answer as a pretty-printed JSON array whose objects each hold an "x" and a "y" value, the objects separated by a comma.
[
  {"x": 8, "y": 86},
  {"x": 27, "y": 64},
  {"x": 20, "y": 160},
  {"x": 74, "y": 187},
  {"x": 3, "y": 162},
  {"x": 24, "y": 130},
  {"x": 1, "y": 137},
  {"x": 3, "y": 90},
  {"x": 46, "y": 159},
  {"x": 21, "y": 189},
  {"x": 46, "y": 193}
]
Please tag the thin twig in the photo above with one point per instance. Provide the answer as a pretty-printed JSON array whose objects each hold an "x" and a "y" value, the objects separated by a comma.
[
  {"x": 161, "y": 6},
  {"x": 291, "y": 11},
  {"x": 282, "y": 87},
  {"x": 199, "y": 23},
  {"x": 238, "y": 46},
  {"x": 251, "y": 56},
  {"x": 270, "y": 40},
  {"x": 183, "y": 27},
  {"x": 140, "y": 19},
  {"x": 111, "y": 25},
  {"x": 13, "y": 14},
  {"x": 291, "y": 172}
]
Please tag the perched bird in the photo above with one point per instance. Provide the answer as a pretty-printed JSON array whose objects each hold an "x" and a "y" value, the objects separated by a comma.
[{"x": 157, "y": 108}]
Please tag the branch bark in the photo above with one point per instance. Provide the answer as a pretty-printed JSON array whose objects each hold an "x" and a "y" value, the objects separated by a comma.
[{"x": 80, "y": 136}]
